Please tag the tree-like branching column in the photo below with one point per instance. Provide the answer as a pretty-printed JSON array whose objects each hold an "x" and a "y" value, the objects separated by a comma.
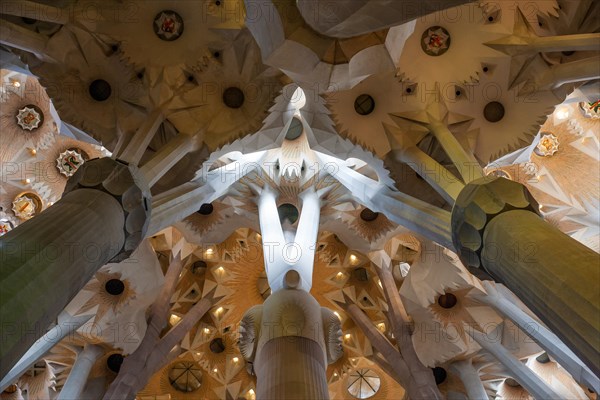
[
  {"x": 290, "y": 338},
  {"x": 285, "y": 250},
  {"x": 157, "y": 349}
]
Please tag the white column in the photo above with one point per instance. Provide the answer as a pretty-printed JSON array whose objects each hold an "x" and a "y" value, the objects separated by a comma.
[
  {"x": 519, "y": 371},
  {"x": 273, "y": 238},
  {"x": 498, "y": 299},
  {"x": 79, "y": 373},
  {"x": 66, "y": 326},
  {"x": 414, "y": 214},
  {"x": 470, "y": 378},
  {"x": 307, "y": 233},
  {"x": 134, "y": 150},
  {"x": 21, "y": 38},
  {"x": 176, "y": 204},
  {"x": 166, "y": 158}
]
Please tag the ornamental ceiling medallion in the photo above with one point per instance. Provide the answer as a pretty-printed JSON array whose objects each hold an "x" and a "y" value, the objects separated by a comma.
[
  {"x": 68, "y": 162},
  {"x": 547, "y": 146},
  {"x": 435, "y": 41},
  {"x": 30, "y": 117},
  {"x": 168, "y": 25},
  {"x": 590, "y": 110},
  {"x": 24, "y": 206},
  {"x": 530, "y": 168},
  {"x": 5, "y": 226}
]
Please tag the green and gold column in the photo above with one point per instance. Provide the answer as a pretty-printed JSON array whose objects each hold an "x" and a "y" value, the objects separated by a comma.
[
  {"x": 46, "y": 261},
  {"x": 496, "y": 225}
]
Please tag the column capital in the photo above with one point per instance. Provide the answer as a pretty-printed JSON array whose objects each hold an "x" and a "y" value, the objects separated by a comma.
[
  {"x": 477, "y": 204},
  {"x": 122, "y": 182}
]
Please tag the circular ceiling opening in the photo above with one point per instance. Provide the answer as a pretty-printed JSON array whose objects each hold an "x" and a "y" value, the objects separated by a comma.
[
  {"x": 233, "y": 97},
  {"x": 447, "y": 300},
  {"x": 114, "y": 287},
  {"x": 206, "y": 209},
  {"x": 435, "y": 41},
  {"x": 100, "y": 90},
  {"x": 114, "y": 362},
  {"x": 217, "y": 346},
  {"x": 364, "y": 104},
  {"x": 493, "y": 111},
  {"x": 288, "y": 211},
  {"x": 168, "y": 25},
  {"x": 185, "y": 376},
  {"x": 295, "y": 129},
  {"x": 368, "y": 215},
  {"x": 363, "y": 383},
  {"x": 439, "y": 374}
]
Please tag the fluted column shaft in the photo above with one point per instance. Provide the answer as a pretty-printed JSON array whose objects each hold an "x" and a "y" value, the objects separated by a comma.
[
  {"x": 495, "y": 225},
  {"x": 553, "y": 274},
  {"x": 46, "y": 261},
  {"x": 291, "y": 367}
]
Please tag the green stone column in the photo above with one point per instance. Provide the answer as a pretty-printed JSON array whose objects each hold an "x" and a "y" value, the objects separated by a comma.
[
  {"x": 496, "y": 226},
  {"x": 47, "y": 260}
]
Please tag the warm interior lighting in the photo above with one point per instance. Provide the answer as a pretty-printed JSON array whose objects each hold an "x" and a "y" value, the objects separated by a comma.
[
  {"x": 562, "y": 113},
  {"x": 353, "y": 258},
  {"x": 206, "y": 330},
  {"x": 347, "y": 336},
  {"x": 340, "y": 275},
  {"x": 337, "y": 315},
  {"x": 215, "y": 370},
  {"x": 381, "y": 326},
  {"x": 16, "y": 84},
  {"x": 174, "y": 319},
  {"x": 235, "y": 359}
]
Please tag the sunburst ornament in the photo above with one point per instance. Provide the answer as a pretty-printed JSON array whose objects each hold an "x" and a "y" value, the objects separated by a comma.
[
  {"x": 30, "y": 117},
  {"x": 547, "y": 146},
  {"x": 590, "y": 110},
  {"x": 168, "y": 25},
  {"x": 435, "y": 41},
  {"x": 24, "y": 206},
  {"x": 68, "y": 162},
  {"x": 110, "y": 292},
  {"x": 531, "y": 168},
  {"x": 5, "y": 226}
]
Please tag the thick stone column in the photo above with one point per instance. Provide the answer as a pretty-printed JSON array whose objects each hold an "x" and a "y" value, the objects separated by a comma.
[
  {"x": 45, "y": 261},
  {"x": 470, "y": 379},
  {"x": 495, "y": 225},
  {"x": 77, "y": 379},
  {"x": 289, "y": 340}
]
